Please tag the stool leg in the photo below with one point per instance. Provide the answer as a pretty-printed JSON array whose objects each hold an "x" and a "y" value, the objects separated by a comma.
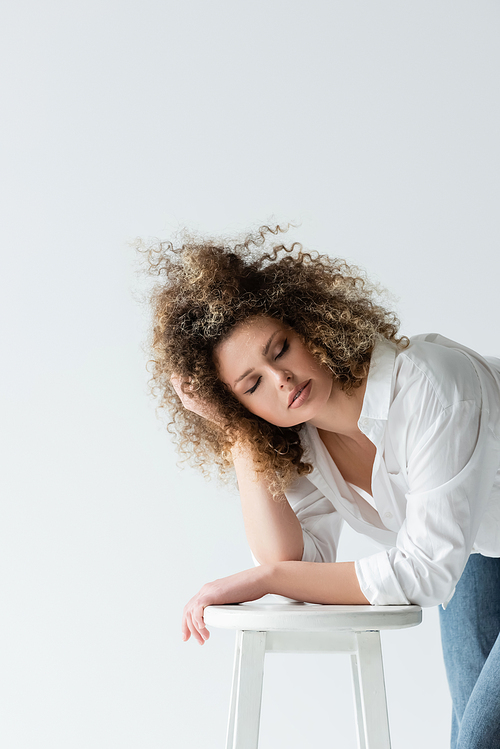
[
  {"x": 357, "y": 702},
  {"x": 234, "y": 690},
  {"x": 372, "y": 692},
  {"x": 246, "y": 695}
]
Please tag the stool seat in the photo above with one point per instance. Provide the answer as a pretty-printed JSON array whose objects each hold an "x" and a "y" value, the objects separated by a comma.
[
  {"x": 311, "y": 617},
  {"x": 309, "y": 628}
]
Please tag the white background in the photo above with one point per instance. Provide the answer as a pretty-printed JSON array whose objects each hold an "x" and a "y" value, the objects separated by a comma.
[{"x": 372, "y": 124}]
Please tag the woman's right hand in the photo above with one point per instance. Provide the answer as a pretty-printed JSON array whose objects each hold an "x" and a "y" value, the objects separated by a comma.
[{"x": 193, "y": 403}]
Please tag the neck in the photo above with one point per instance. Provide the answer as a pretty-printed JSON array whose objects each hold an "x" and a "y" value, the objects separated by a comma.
[{"x": 341, "y": 412}]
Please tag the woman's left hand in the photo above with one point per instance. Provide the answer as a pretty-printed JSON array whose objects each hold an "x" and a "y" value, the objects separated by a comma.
[{"x": 244, "y": 586}]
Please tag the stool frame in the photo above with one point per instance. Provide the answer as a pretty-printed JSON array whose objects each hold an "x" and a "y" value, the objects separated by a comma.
[{"x": 304, "y": 628}]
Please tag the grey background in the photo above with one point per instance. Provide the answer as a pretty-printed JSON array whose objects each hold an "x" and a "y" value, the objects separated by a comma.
[{"x": 372, "y": 124}]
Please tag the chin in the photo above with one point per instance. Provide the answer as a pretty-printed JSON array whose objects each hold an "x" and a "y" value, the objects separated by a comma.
[{"x": 288, "y": 423}]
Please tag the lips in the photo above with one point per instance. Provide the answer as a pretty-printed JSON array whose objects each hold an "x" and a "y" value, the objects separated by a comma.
[{"x": 299, "y": 394}]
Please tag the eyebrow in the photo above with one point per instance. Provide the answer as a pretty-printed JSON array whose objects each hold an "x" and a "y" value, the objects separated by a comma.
[{"x": 265, "y": 351}]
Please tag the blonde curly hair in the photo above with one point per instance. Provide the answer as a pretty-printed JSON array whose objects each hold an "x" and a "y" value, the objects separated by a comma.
[{"x": 208, "y": 286}]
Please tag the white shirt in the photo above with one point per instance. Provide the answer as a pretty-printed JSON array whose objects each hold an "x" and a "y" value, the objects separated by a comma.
[{"x": 432, "y": 411}]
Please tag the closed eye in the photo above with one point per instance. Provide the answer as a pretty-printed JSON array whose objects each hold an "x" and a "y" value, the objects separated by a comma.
[
  {"x": 254, "y": 388},
  {"x": 285, "y": 348}
]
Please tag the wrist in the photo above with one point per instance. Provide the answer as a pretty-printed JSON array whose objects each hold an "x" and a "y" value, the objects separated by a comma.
[{"x": 268, "y": 574}]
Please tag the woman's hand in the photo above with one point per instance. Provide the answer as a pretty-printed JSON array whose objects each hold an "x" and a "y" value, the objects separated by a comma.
[
  {"x": 191, "y": 402},
  {"x": 244, "y": 586}
]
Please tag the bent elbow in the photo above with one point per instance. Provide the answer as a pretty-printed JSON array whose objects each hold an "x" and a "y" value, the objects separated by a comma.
[{"x": 279, "y": 555}]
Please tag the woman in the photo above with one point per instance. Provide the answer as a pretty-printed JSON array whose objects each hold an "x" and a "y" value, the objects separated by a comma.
[{"x": 285, "y": 366}]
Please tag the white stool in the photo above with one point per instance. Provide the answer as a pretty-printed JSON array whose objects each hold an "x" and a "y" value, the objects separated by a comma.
[{"x": 309, "y": 628}]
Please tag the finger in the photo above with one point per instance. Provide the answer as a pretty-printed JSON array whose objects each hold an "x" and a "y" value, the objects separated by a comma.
[
  {"x": 199, "y": 622},
  {"x": 193, "y": 629},
  {"x": 178, "y": 381},
  {"x": 185, "y": 631},
  {"x": 177, "y": 384}
]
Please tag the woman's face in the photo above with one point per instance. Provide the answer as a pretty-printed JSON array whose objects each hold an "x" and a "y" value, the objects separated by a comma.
[{"x": 272, "y": 373}]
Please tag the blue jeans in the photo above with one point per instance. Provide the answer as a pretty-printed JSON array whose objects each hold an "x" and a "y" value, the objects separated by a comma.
[{"x": 470, "y": 628}]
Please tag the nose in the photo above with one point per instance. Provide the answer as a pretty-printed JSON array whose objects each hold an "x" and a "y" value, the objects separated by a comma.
[{"x": 282, "y": 376}]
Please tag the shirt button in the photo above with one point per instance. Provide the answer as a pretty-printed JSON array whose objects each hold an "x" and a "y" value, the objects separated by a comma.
[
  {"x": 365, "y": 422},
  {"x": 388, "y": 515}
]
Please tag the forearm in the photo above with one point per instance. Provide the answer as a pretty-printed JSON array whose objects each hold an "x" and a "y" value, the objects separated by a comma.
[
  {"x": 327, "y": 583},
  {"x": 313, "y": 582},
  {"x": 274, "y": 534}
]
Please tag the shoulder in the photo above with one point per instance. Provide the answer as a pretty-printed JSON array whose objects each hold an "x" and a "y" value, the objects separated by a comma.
[
  {"x": 436, "y": 368},
  {"x": 436, "y": 391}
]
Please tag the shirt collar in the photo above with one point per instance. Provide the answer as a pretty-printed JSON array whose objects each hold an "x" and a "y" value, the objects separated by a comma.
[{"x": 377, "y": 397}]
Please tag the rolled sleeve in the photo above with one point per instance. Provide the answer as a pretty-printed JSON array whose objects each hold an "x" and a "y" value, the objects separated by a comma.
[{"x": 378, "y": 582}]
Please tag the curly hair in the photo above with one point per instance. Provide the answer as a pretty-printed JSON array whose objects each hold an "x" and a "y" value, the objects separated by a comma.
[{"x": 208, "y": 286}]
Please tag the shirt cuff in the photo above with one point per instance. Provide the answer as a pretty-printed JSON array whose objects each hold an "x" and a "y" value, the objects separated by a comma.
[{"x": 378, "y": 582}]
